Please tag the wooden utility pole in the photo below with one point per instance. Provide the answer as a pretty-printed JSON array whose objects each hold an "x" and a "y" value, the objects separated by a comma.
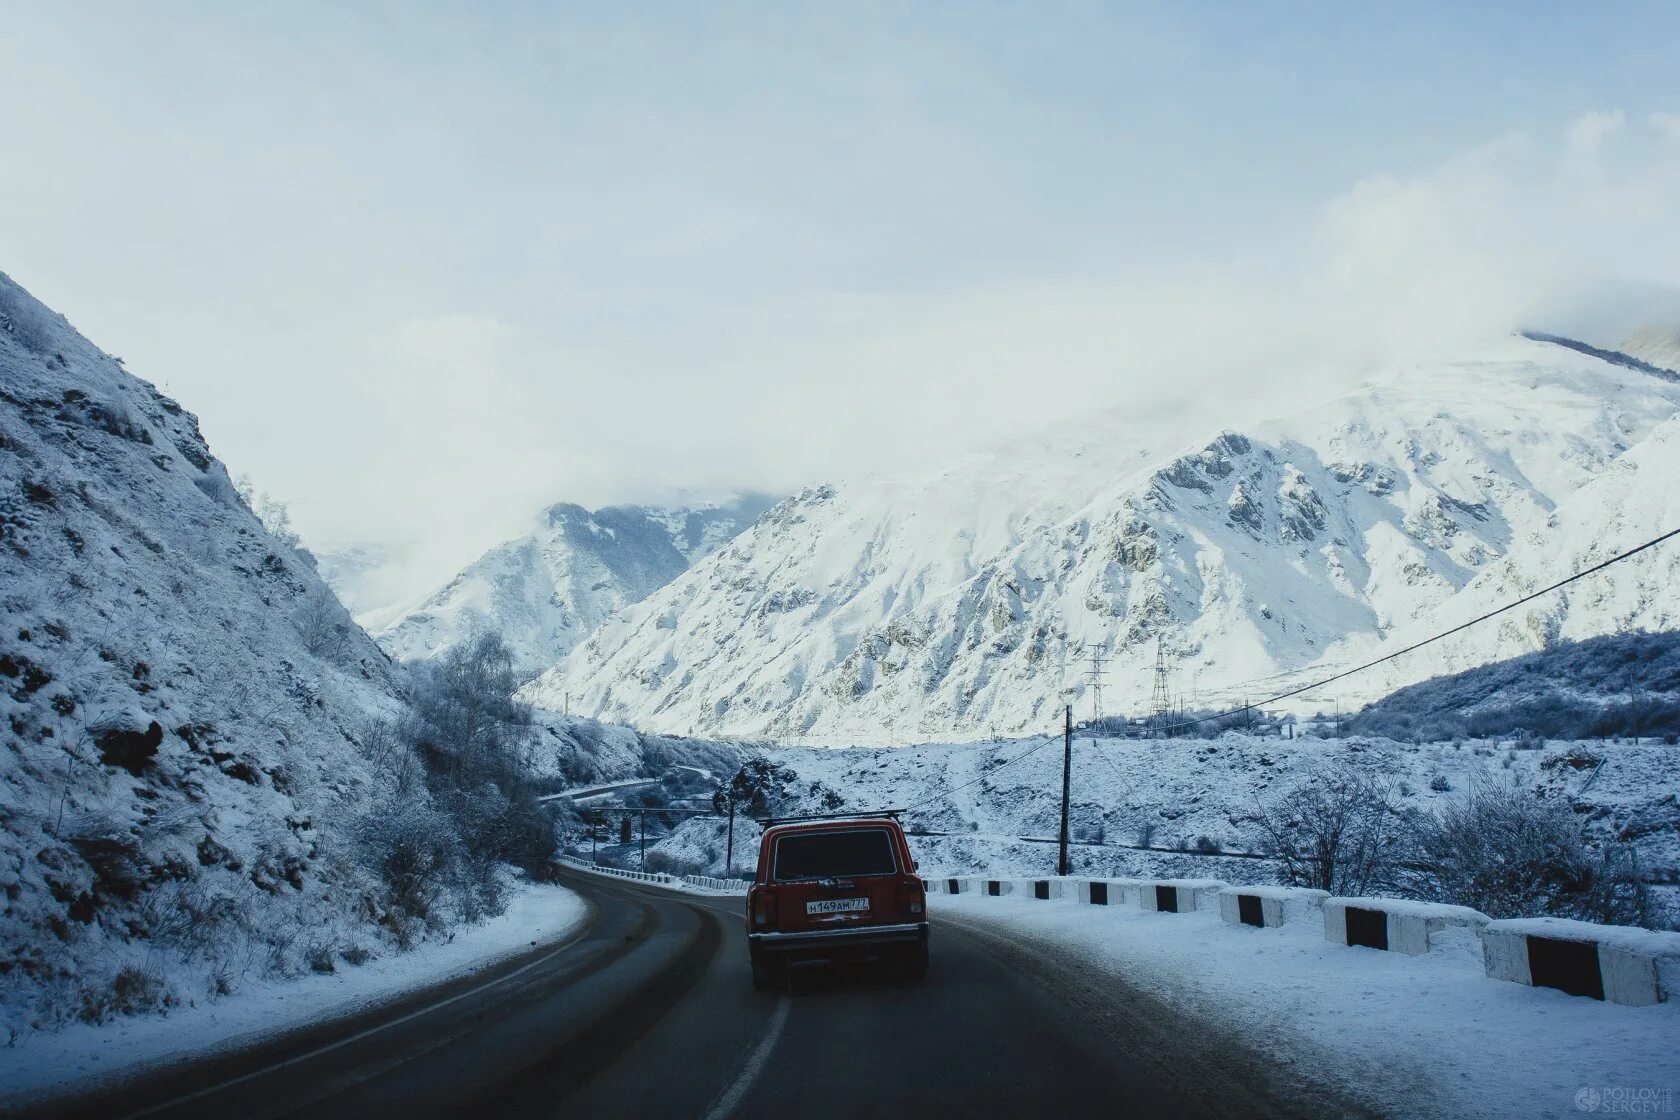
[
  {"x": 729, "y": 859},
  {"x": 1067, "y": 775}
]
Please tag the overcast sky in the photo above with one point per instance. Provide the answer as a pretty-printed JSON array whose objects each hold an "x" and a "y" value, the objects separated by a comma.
[{"x": 422, "y": 269}]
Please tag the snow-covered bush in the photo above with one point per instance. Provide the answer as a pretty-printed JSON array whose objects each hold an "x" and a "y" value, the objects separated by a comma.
[
  {"x": 1511, "y": 853},
  {"x": 761, "y": 788},
  {"x": 475, "y": 745},
  {"x": 412, "y": 847}
]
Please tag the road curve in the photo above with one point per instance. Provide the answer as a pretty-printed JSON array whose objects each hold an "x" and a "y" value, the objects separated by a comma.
[{"x": 651, "y": 1013}]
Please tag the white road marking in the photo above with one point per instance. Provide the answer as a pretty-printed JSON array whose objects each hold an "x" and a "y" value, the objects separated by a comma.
[{"x": 725, "y": 1105}]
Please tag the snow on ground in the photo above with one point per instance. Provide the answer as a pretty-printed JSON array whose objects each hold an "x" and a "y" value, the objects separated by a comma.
[
  {"x": 79, "y": 1056},
  {"x": 1175, "y": 791},
  {"x": 1414, "y": 1036}
]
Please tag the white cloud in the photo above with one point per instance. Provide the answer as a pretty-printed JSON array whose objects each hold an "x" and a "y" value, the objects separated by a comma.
[
  {"x": 457, "y": 427},
  {"x": 1588, "y": 132}
]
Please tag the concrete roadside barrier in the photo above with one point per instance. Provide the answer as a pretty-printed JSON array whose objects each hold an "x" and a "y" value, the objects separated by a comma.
[
  {"x": 1105, "y": 892},
  {"x": 1398, "y": 925},
  {"x": 1620, "y": 964},
  {"x": 1179, "y": 896},
  {"x": 1048, "y": 890},
  {"x": 961, "y": 884},
  {"x": 1265, "y": 906}
]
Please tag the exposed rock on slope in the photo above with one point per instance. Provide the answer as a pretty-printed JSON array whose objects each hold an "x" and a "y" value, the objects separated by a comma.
[{"x": 1629, "y": 501}]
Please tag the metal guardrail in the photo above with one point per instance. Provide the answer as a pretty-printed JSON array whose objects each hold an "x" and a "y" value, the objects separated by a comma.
[
  {"x": 622, "y": 872},
  {"x": 708, "y": 882},
  {"x": 661, "y": 878}
]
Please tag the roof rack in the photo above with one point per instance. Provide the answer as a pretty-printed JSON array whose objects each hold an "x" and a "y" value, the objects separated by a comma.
[{"x": 859, "y": 813}]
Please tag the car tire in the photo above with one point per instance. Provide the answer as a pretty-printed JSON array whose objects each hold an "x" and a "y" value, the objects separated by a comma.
[{"x": 767, "y": 976}]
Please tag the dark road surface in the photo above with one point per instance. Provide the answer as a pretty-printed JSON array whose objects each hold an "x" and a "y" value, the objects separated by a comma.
[{"x": 650, "y": 1012}]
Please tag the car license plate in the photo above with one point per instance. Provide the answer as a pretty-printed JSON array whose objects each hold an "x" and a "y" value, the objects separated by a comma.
[{"x": 836, "y": 905}]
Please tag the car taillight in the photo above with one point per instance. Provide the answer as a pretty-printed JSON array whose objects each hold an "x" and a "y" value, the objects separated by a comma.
[
  {"x": 764, "y": 908},
  {"x": 910, "y": 897}
]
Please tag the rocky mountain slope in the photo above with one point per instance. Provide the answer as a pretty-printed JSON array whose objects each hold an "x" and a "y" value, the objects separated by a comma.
[
  {"x": 1630, "y": 501},
  {"x": 971, "y": 600},
  {"x": 547, "y": 590},
  {"x": 181, "y": 699}
]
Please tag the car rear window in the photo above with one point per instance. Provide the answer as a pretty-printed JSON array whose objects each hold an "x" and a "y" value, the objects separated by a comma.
[{"x": 831, "y": 855}]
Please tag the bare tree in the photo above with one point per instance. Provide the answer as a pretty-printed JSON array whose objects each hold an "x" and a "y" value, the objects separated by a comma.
[
  {"x": 323, "y": 624},
  {"x": 1339, "y": 831}
]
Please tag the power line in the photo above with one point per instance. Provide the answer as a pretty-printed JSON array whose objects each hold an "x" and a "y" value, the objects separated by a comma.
[
  {"x": 1513, "y": 605},
  {"x": 983, "y": 777}
]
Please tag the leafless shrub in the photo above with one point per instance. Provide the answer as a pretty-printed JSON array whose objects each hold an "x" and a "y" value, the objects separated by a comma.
[
  {"x": 1506, "y": 851},
  {"x": 323, "y": 624},
  {"x": 1339, "y": 831},
  {"x": 131, "y": 991}
]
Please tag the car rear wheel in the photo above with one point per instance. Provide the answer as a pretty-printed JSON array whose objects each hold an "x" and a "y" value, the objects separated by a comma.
[{"x": 767, "y": 975}]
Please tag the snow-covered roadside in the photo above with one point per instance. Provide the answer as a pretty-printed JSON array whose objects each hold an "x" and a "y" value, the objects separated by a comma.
[
  {"x": 1414, "y": 1036},
  {"x": 48, "y": 1064}
]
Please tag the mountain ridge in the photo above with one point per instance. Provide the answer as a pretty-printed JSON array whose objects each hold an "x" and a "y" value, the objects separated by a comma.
[
  {"x": 547, "y": 589},
  {"x": 865, "y": 610}
]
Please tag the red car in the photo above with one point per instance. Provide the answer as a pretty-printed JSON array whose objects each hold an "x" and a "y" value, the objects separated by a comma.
[{"x": 833, "y": 888}]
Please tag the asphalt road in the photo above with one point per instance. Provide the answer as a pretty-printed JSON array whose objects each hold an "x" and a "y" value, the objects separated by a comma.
[{"x": 650, "y": 1012}]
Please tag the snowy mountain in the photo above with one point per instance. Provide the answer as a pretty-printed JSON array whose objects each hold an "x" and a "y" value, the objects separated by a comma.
[
  {"x": 576, "y": 568},
  {"x": 1630, "y": 501},
  {"x": 182, "y": 699},
  {"x": 973, "y": 599}
]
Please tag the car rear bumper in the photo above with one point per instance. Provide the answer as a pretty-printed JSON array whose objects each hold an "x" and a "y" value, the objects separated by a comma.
[{"x": 854, "y": 937}]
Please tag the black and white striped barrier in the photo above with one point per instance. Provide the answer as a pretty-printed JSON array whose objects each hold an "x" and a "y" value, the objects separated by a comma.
[
  {"x": 1041, "y": 889},
  {"x": 1179, "y": 896},
  {"x": 1269, "y": 906},
  {"x": 959, "y": 884},
  {"x": 1396, "y": 924},
  {"x": 1621, "y": 964},
  {"x": 1106, "y": 892}
]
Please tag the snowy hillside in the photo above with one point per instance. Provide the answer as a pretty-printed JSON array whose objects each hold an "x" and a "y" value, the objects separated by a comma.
[
  {"x": 1615, "y": 684},
  {"x": 545, "y": 591},
  {"x": 971, "y": 600},
  {"x": 182, "y": 700},
  {"x": 1134, "y": 800}
]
